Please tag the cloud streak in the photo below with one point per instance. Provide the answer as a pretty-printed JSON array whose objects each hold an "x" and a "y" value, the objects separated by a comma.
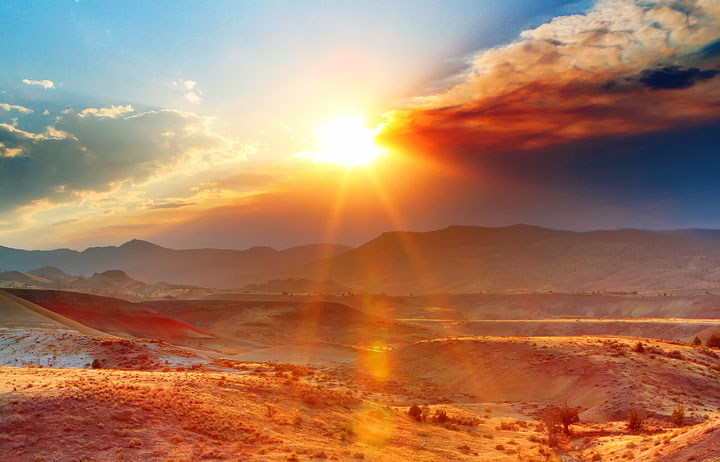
[
  {"x": 15, "y": 107},
  {"x": 46, "y": 84}
]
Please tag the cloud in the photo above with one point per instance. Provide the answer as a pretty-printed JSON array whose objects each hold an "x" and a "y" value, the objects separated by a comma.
[
  {"x": 112, "y": 111},
  {"x": 102, "y": 150},
  {"x": 46, "y": 84},
  {"x": 675, "y": 77},
  {"x": 193, "y": 97},
  {"x": 15, "y": 107},
  {"x": 171, "y": 205},
  {"x": 575, "y": 77},
  {"x": 190, "y": 90}
]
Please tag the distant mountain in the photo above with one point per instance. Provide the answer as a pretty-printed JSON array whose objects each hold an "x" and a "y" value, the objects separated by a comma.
[
  {"x": 527, "y": 258},
  {"x": 152, "y": 263},
  {"x": 114, "y": 283},
  {"x": 457, "y": 259}
]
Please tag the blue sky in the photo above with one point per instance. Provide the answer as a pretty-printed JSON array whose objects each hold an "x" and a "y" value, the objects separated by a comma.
[
  {"x": 188, "y": 123},
  {"x": 255, "y": 63}
]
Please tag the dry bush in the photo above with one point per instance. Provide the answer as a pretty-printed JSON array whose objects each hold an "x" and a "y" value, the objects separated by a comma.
[
  {"x": 552, "y": 430},
  {"x": 508, "y": 426},
  {"x": 415, "y": 412},
  {"x": 567, "y": 417},
  {"x": 270, "y": 410},
  {"x": 713, "y": 341},
  {"x": 635, "y": 422},
  {"x": 678, "y": 415},
  {"x": 440, "y": 416}
]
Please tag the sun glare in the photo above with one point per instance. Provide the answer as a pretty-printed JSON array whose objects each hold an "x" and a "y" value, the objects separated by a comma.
[{"x": 345, "y": 141}]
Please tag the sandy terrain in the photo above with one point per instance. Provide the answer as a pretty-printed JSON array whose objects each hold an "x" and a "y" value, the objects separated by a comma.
[
  {"x": 303, "y": 379},
  {"x": 65, "y": 349},
  {"x": 253, "y": 411}
]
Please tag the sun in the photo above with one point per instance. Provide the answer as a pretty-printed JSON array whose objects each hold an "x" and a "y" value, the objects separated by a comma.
[{"x": 345, "y": 141}]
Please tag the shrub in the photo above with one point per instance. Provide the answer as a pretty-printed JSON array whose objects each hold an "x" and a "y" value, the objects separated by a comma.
[
  {"x": 441, "y": 416},
  {"x": 713, "y": 341},
  {"x": 96, "y": 364},
  {"x": 568, "y": 417},
  {"x": 697, "y": 341},
  {"x": 678, "y": 415},
  {"x": 552, "y": 430},
  {"x": 635, "y": 422},
  {"x": 639, "y": 347},
  {"x": 415, "y": 412},
  {"x": 270, "y": 410}
]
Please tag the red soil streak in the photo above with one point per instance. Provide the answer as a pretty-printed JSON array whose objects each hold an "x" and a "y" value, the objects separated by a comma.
[{"x": 110, "y": 314}]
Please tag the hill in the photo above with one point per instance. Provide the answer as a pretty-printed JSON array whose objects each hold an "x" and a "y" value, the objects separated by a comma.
[
  {"x": 295, "y": 286},
  {"x": 16, "y": 312},
  {"x": 286, "y": 322},
  {"x": 113, "y": 316},
  {"x": 458, "y": 259},
  {"x": 148, "y": 262},
  {"x": 525, "y": 258}
]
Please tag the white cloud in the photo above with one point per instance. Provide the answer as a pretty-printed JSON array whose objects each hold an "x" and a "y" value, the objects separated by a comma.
[
  {"x": 193, "y": 93},
  {"x": 112, "y": 111},
  {"x": 193, "y": 97},
  {"x": 46, "y": 84},
  {"x": 97, "y": 151},
  {"x": 10, "y": 107}
]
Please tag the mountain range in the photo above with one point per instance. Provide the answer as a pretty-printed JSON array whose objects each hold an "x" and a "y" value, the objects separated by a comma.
[
  {"x": 218, "y": 268},
  {"x": 455, "y": 259}
]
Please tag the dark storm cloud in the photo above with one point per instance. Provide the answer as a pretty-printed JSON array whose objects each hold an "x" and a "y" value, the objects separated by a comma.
[
  {"x": 711, "y": 50},
  {"x": 675, "y": 77}
]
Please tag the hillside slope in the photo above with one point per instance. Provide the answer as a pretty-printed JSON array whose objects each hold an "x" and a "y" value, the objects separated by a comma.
[
  {"x": 112, "y": 316},
  {"x": 526, "y": 258},
  {"x": 152, "y": 263},
  {"x": 18, "y": 312}
]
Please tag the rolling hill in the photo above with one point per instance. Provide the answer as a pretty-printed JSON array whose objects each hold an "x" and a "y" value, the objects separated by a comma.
[
  {"x": 152, "y": 263},
  {"x": 525, "y": 258},
  {"x": 456, "y": 259}
]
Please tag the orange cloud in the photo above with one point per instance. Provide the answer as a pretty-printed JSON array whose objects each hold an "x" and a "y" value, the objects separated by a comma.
[{"x": 624, "y": 67}]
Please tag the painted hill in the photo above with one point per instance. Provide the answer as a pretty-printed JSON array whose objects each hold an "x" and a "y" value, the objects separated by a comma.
[
  {"x": 16, "y": 312},
  {"x": 110, "y": 315},
  {"x": 284, "y": 322}
]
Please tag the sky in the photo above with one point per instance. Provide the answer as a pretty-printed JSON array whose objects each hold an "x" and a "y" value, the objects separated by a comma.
[{"x": 232, "y": 124}]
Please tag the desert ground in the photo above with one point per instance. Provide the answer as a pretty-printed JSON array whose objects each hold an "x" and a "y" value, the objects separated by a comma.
[{"x": 270, "y": 377}]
